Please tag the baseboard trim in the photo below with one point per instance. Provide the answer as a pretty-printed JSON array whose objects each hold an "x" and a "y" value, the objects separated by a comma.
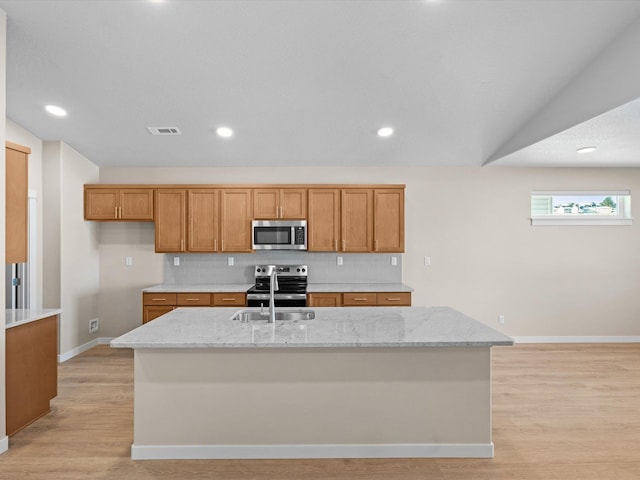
[
  {"x": 4, "y": 444},
  {"x": 63, "y": 357},
  {"x": 579, "y": 339},
  {"x": 213, "y": 452}
]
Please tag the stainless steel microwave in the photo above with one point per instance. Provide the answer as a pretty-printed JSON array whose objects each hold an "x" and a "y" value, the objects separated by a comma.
[{"x": 279, "y": 234}]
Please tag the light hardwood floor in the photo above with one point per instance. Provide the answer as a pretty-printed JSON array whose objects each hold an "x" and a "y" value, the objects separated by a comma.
[{"x": 560, "y": 412}]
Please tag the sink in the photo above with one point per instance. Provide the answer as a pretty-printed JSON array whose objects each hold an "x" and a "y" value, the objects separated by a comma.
[{"x": 249, "y": 315}]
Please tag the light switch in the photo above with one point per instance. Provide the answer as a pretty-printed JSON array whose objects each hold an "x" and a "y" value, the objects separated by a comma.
[
  {"x": 230, "y": 261},
  {"x": 128, "y": 261},
  {"x": 339, "y": 260}
]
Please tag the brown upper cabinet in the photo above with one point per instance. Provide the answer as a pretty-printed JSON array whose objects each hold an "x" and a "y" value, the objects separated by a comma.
[
  {"x": 203, "y": 220},
  {"x": 356, "y": 220},
  {"x": 236, "y": 212},
  {"x": 119, "y": 204},
  {"x": 16, "y": 202},
  {"x": 323, "y": 225},
  {"x": 217, "y": 218},
  {"x": 171, "y": 220},
  {"x": 388, "y": 220},
  {"x": 287, "y": 203}
]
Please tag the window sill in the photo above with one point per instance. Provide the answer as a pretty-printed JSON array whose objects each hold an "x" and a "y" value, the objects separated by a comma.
[{"x": 565, "y": 220}]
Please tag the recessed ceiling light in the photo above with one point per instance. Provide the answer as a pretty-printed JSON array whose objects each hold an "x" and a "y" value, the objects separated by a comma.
[
  {"x": 224, "y": 132},
  {"x": 586, "y": 149},
  {"x": 385, "y": 132},
  {"x": 55, "y": 110}
]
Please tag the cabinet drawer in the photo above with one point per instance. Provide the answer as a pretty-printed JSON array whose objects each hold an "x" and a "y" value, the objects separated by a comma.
[
  {"x": 159, "y": 298},
  {"x": 151, "y": 312},
  {"x": 193, "y": 299},
  {"x": 395, "y": 298},
  {"x": 355, "y": 299},
  {"x": 230, "y": 299},
  {"x": 324, "y": 299}
]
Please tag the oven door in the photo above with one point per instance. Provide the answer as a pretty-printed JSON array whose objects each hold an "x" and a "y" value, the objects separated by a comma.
[{"x": 280, "y": 299}]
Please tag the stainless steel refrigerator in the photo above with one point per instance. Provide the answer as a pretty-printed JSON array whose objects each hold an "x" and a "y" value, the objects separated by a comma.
[{"x": 17, "y": 285}]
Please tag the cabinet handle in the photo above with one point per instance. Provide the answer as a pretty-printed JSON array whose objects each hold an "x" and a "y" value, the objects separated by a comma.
[
  {"x": 192, "y": 299},
  {"x": 116, "y": 212},
  {"x": 222, "y": 245},
  {"x": 215, "y": 245},
  {"x": 344, "y": 245},
  {"x": 120, "y": 212},
  {"x": 158, "y": 299},
  {"x": 392, "y": 299},
  {"x": 182, "y": 245},
  {"x": 228, "y": 299},
  {"x": 358, "y": 299}
]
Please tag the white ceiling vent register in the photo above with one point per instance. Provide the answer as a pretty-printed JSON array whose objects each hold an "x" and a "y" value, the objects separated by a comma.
[{"x": 164, "y": 131}]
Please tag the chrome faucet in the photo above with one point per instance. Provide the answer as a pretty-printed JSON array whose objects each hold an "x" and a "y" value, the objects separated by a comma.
[{"x": 273, "y": 286}]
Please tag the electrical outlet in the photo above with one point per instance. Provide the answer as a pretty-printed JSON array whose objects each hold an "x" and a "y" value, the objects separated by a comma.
[
  {"x": 501, "y": 319},
  {"x": 230, "y": 261},
  {"x": 427, "y": 261},
  {"x": 339, "y": 261},
  {"x": 94, "y": 325},
  {"x": 176, "y": 261},
  {"x": 394, "y": 261},
  {"x": 128, "y": 261}
]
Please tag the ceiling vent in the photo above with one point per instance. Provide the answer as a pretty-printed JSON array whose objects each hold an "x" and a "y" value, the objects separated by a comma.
[{"x": 164, "y": 131}]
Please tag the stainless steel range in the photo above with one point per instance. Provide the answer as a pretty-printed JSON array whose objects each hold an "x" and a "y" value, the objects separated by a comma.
[{"x": 292, "y": 286}]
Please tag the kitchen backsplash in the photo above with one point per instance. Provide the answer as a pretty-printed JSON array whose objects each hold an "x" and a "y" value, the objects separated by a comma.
[{"x": 323, "y": 268}]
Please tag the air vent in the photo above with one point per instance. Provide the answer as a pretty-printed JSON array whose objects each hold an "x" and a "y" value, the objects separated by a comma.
[{"x": 164, "y": 131}]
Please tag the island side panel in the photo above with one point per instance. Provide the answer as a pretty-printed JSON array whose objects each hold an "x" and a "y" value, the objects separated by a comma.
[{"x": 210, "y": 403}]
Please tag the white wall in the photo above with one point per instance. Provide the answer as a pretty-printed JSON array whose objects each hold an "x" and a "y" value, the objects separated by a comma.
[
  {"x": 3, "y": 51},
  {"x": 474, "y": 224},
  {"x": 71, "y": 247}
]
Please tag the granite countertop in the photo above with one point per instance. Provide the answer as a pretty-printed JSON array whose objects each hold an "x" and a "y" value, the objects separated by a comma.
[
  {"x": 357, "y": 287},
  {"x": 20, "y": 316},
  {"x": 311, "y": 287},
  {"x": 195, "y": 327},
  {"x": 199, "y": 287}
]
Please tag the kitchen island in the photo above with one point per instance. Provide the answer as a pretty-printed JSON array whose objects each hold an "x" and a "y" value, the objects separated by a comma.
[{"x": 353, "y": 382}]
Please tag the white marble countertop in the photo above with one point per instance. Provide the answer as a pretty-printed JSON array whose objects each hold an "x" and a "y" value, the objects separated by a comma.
[
  {"x": 198, "y": 287},
  {"x": 311, "y": 287},
  {"x": 357, "y": 287},
  {"x": 195, "y": 327},
  {"x": 20, "y": 316}
]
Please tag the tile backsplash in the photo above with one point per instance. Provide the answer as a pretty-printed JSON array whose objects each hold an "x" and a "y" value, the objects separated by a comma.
[{"x": 323, "y": 267}]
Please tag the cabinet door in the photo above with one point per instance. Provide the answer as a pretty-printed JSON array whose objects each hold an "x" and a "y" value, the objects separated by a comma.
[
  {"x": 357, "y": 220},
  {"x": 194, "y": 299},
  {"x": 235, "y": 215},
  {"x": 359, "y": 299},
  {"x": 170, "y": 217},
  {"x": 16, "y": 206},
  {"x": 136, "y": 204},
  {"x": 388, "y": 220},
  {"x": 325, "y": 299},
  {"x": 203, "y": 220},
  {"x": 101, "y": 203},
  {"x": 324, "y": 220},
  {"x": 151, "y": 312},
  {"x": 396, "y": 298},
  {"x": 266, "y": 203},
  {"x": 293, "y": 203},
  {"x": 229, "y": 299}
]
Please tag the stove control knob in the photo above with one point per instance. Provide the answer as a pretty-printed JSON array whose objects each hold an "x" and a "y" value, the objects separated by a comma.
[
  {"x": 304, "y": 270},
  {"x": 298, "y": 269}
]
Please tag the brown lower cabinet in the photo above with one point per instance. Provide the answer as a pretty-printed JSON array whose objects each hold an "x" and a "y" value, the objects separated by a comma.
[
  {"x": 31, "y": 371},
  {"x": 364, "y": 299},
  {"x": 155, "y": 305}
]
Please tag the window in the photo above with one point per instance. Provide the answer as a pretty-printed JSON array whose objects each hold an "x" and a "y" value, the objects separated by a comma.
[{"x": 581, "y": 208}]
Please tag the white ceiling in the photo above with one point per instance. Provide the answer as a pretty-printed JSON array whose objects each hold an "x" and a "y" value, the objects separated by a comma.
[{"x": 308, "y": 82}]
